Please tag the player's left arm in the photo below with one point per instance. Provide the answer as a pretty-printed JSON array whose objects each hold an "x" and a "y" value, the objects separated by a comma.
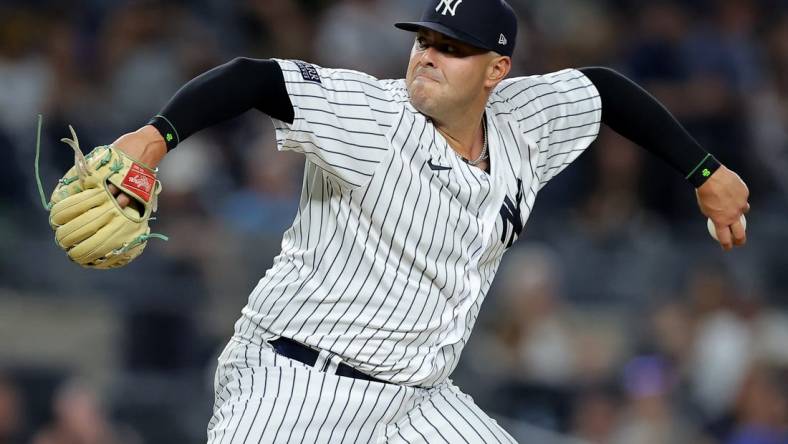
[{"x": 635, "y": 114}]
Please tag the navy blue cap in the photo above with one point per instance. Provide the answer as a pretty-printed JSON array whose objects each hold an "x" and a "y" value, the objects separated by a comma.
[{"x": 486, "y": 24}]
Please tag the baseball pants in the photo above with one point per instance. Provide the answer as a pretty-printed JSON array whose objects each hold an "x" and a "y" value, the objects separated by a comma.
[{"x": 263, "y": 397}]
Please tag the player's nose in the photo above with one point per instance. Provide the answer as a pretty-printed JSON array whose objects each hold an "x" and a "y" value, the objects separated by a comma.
[{"x": 429, "y": 57}]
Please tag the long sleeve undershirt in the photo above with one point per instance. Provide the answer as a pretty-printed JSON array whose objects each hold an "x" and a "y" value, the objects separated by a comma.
[
  {"x": 243, "y": 84},
  {"x": 635, "y": 114},
  {"x": 222, "y": 93}
]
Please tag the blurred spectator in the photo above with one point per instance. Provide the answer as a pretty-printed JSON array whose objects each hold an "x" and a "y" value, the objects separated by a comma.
[
  {"x": 610, "y": 226},
  {"x": 768, "y": 118},
  {"x": 537, "y": 351},
  {"x": 558, "y": 32},
  {"x": 11, "y": 412},
  {"x": 359, "y": 34},
  {"x": 770, "y": 333},
  {"x": 649, "y": 417},
  {"x": 138, "y": 61},
  {"x": 722, "y": 348},
  {"x": 13, "y": 182},
  {"x": 278, "y": 29},
  {"x": 539, "y": 343},
  {"x": 762, "y": 408},
  {"x": 25, "y": 75},
  {"x": 596, "y": 415},
  {"x": 267, "y": 200},
  {"x": 727, "y": 47},
  {"x": 75, "y": 95},
  {"x": 670, "y": 334},
  {"x": 79, "y": 418}
]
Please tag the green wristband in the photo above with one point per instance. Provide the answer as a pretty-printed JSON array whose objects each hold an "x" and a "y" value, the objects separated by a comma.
[
  {"x": 167, "y": 130},
  {"x": 701, "y": 173}
]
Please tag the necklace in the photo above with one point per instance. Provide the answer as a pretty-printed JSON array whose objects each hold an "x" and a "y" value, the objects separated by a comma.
[{"x": 483, "y": 155}]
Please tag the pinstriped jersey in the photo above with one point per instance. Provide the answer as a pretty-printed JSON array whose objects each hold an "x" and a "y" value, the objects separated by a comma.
[{"x": 396, "y": 239}]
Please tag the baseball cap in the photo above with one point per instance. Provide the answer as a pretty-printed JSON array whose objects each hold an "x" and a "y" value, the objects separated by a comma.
[{"x": 486, "y": 24}]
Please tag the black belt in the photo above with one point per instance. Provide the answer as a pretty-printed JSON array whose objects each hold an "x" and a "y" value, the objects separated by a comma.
[{"x": 300, "y": 352}]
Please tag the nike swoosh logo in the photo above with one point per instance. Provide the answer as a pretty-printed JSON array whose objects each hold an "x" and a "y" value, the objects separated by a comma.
[{"x": 434, "y": 167}]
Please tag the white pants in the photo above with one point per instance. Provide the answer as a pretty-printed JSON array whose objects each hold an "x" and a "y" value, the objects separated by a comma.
[{"x": 262, "y": 397}]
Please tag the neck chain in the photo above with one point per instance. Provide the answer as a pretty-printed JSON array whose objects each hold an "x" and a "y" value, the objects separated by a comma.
[{"x": 483, "y": 155}]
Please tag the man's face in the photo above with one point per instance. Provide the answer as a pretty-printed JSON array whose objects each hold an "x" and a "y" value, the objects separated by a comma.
[{"x": 445, "y": 75}]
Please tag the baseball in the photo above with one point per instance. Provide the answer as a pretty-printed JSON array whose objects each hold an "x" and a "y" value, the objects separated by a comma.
[{"x": 713, "y": 230}]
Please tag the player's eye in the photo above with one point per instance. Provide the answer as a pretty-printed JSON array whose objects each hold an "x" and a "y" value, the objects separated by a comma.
[{"x": 448, "y": 48}]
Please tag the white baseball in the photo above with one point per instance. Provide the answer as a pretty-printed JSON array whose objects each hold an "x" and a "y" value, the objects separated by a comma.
[{"x": 713, "y": 229}]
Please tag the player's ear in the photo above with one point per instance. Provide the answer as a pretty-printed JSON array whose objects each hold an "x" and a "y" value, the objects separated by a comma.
[{"x": 497, "y": 70}]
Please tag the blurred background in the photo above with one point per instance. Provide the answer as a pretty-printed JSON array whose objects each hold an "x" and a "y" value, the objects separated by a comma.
[{"x": 614, "y": 319}]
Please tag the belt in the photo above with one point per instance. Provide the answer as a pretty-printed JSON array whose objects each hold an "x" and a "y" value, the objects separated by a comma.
[{"x": 300, "y": 352}]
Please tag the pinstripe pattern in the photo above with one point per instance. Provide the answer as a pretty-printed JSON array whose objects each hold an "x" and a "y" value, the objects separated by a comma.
[
  {"x": 263, "y": 397},
  {"x": 388, "y": 261}
]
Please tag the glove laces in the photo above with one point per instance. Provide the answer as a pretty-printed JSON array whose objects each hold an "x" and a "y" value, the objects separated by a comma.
[{"x": 47, "y": 205}]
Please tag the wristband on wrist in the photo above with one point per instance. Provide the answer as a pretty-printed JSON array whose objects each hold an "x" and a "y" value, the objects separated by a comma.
[
  {"x": 166, "y": 129},
  {"x": 703, "y": 170}
]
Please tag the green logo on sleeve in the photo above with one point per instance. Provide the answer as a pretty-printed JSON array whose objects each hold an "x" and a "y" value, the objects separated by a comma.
[
  {"x": 169, "y": 137},
  {"x": 706, "y": 172}
]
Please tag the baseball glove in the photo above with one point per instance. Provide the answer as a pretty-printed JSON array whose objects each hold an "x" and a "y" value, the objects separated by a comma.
[{"x": 88, "y": 222}]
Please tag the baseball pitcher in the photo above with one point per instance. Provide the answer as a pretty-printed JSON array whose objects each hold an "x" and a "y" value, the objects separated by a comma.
[{"x": 413, "y": 191}]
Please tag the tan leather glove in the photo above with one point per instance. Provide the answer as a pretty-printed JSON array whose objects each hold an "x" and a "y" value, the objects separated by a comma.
[{"x": 89, "y": 224}]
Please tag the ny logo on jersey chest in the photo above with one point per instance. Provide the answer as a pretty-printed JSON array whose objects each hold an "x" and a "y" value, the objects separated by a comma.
[
  {"x": 510, "y": 215},
  {"x": 449, "y": 6}
]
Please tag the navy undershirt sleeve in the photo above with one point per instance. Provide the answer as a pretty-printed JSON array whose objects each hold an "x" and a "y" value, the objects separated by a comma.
[
  {"x": 222, "y": 93},
  {"x": 635, "y": 114}
]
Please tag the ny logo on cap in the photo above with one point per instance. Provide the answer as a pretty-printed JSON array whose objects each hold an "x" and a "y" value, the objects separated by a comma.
[{"x": 449, "y": 6}]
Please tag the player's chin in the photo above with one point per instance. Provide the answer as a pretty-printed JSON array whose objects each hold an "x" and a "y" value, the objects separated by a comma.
[
  {"x": 423, "y": 105},
  {"x": 422, "y": 98}
]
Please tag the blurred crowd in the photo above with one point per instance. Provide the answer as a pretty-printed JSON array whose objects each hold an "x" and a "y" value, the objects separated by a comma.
[{"x": 615, "y": 318}]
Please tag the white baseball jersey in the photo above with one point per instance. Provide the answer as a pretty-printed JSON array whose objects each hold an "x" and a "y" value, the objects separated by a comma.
[{"x": 397, "y": 240}]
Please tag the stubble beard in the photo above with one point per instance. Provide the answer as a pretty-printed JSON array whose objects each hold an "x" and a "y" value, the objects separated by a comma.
[{"x": 424, "y": 101}]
